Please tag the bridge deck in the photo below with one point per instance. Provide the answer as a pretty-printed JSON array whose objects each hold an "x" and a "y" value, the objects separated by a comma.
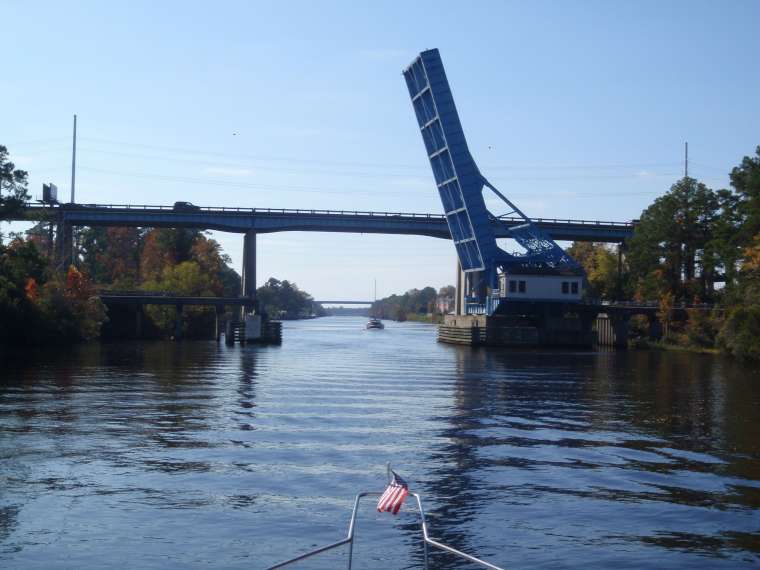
[
  {"x": 145, "y": 298},
  {"x": 267, "y": 220}
]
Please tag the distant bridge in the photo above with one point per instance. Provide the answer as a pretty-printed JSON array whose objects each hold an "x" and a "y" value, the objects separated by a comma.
[{"x": 344, "y": 302}]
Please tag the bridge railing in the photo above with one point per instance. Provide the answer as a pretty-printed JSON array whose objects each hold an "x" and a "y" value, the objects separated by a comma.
[
  {"x": 225, "y": 209},
  {"x": 134, "y": 293},
  {"x": 318, "y": 212},
  {"x": 656, "y": 305}
]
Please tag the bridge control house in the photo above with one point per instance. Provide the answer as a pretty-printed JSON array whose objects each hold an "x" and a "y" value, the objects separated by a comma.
[{"x": 540, "y": 287}]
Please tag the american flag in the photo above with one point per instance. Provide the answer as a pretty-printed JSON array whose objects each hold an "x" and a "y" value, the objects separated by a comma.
[{"x": 394, "y": 496}]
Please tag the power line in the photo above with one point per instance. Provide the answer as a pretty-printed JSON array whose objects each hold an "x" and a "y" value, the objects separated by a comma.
[
  {"x": 364, "y": 174},
  {"x": 421, "y": 166},
  {"x": 321, "y": 190}
]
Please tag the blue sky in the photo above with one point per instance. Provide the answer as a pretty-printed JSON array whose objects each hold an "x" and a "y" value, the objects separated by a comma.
[{"x": 572, "y": 109}]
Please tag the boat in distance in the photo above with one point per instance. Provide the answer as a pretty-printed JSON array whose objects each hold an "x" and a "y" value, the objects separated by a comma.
[{"x": 375, "y": 323}]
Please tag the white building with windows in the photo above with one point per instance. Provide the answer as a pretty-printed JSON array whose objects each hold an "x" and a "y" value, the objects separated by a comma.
[{"x": 527, "y": 287}]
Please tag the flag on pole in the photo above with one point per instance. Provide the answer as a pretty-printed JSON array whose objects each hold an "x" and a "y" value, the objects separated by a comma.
[{"x": 394, "y": 496}]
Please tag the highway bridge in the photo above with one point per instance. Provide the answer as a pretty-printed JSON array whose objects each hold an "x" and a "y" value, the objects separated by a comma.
[
  {"x": 268, "y": 220},
  {"x": 254, "y": 221}
]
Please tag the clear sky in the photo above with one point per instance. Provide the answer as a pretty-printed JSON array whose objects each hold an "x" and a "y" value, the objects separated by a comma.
[{"x": 572, "y": 109}]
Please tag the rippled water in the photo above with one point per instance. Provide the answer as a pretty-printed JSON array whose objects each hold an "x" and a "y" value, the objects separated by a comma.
[{"x": 196, "y": 455}]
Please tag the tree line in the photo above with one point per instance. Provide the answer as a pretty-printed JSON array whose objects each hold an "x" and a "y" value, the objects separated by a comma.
[
  {"x": 424, "y": 304},
  {"x": 693, "y": 246}
]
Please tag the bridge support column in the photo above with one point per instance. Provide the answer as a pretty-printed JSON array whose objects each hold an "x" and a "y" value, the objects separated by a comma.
[
  {"x": 64, "y": 236},
  {"x": 218, "y": 310},
  {"x": 178, "y": 322},
  {"x": 655, "y": 328},
  {"x": 249, "y": 266},
  {"x": 459, "y": 294},
  {"x": 619, "y": 284},
  {"x": 620, "y": 327}
]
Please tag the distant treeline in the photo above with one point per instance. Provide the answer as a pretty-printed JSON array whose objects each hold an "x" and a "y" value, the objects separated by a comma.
[
  {"x": 416, "y": 304},
  {"x": 284, "y": 300}
]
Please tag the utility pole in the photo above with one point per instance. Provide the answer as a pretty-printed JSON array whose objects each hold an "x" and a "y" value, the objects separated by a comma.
[
  {"x": 74, "y": 159},
  {"x": 686, "y": 160},
  {"x": 73, "y": 184}
]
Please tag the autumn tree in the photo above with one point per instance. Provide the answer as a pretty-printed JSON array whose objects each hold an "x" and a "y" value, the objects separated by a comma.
[
  {"x": 37, "y": 306},
  {"x": 111, "y": 256},
  {"x": 601, "y": 267}
]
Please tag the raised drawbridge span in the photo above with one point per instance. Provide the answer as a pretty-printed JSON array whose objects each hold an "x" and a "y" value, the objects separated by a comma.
[{"x": 460, "y": 185}]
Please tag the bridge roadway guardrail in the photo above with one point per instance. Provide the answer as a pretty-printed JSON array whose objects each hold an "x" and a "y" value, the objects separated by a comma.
[
  {"x": 266, "y": 220},
  {"x": 228, "y": 209}
]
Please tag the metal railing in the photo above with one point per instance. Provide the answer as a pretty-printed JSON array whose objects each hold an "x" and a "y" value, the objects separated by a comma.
[
  {"x": 233, "y": 210},
  {"x": 365, "y": 213},
  {"x": 426, "y": 540},
  {"x": 656, "y": 305}
]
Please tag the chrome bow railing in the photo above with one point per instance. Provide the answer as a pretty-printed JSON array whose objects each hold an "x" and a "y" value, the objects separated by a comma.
[{"x": 426, "y": 540}]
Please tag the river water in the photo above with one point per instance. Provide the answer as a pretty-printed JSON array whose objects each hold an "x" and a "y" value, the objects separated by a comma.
[{"x": 198, "y": 455}]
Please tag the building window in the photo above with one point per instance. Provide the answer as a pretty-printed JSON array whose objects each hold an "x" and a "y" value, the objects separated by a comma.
[
  {"x": 512, "y": 286},
  {"x": 521, "y": 286},
  {"x": 565, "y": 287},
  {"x": 574, "y": 287}
]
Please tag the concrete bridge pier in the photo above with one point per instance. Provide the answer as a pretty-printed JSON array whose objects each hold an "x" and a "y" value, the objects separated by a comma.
[
  {"x": 467, "y": 285},
  {"x": 620, "y": 325},
  {"x": 655, "y": 327},
  {"x": 218, "y": 311},
  {"x": 459, "y": 294},
  {"x": 249, "y": 267},
  {"x": 64, "y": 236}
]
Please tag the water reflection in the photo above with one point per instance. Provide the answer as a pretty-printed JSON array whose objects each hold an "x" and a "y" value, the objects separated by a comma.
[
  {"x": 238, "y": 457},
  {"x": 601, "y": 432}
]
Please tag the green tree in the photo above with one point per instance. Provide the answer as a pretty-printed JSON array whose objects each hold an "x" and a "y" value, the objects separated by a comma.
[
  {"x": 13, "y": 186},
  {"x": 282, "y": 299},
  {"x": 740, "y": 335},
  {"x": 672, "y": 249},
  {"x": 414, "y": 304},
  {"x": 745, "y": 179}
]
